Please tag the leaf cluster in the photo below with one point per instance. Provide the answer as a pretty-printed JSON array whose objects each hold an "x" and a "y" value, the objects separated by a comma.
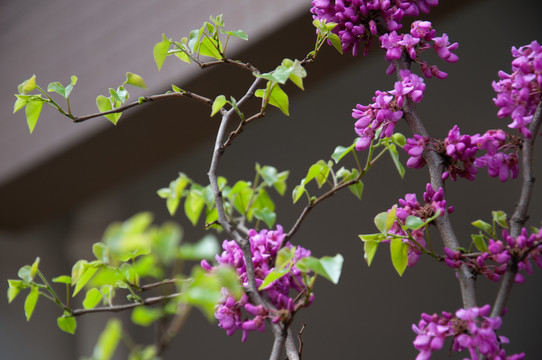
[{"x": 249, "y": 200}]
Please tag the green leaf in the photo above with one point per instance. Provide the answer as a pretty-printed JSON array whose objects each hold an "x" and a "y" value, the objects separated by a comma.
[
  {"x": 209, "y": 47},
  {"x": 19, "y": 103},
  {"x": 266, "y": 215},
  {"x": 341, "y": 151},
  {"x": 319, "y": 171},
  {"x": 58, "y": 88},
  {"x": 414, "y": 223},
  {"x": 357, "y": 189},
  {"x": 34, "y": 267},
  {"x": 108, "y": 340},
  {"x": 373, "y": 237},
  {"x": 160, "y": 51},
  {"x": 500, "y": 218},
  {"x": 277, "y": 97},
  {"x": 380, "y": 221},
  {"x": 369, "y": 249},
  {"x": 390, "y": 219},
  {"x": 335, "y": 41},
  {"x": 328, "y": 267},
  {"x": 145, "y": 316},
  {"x": 483, "y": 226},
  {"x": 206, "y": 248},
  {"x": 298, "y": 191},
  {"x": 32, "y": 111},
  {"x": 273, "y": 276},
  {"x": 135, "y": 80},
  {"x": 15, "y": 286},
  {"x": 395, "y": 157},
  {"x": 104, "y": 104},
  {"x": 25, "y": 273},
  {"x": 86, "y": 274},
  {"x": 101, "y": 251},
  {"x": 67, "y": 323},
  {"x": 236, "y": 33},
  {"x": 218, "y": 104},
  {"x": 92, "y": 298},
  {"x": 30, "y": 302},
  {"x": 399, "y": 255},
  {"x": 193, "y": 205},
  {"x": 399, "y": 139},
  {"x": 63, "y": 279},
  {"x": 479, "y": 242},
  {"x": 28, "y": 85}
]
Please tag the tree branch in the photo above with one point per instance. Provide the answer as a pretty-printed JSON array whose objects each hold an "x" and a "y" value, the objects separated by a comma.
[
  {"x": 117, "y": 308},
  {"x": 520, "y": 215},
  {"x": 146, "y": 99},
  {"x": 436, "y": 168}
]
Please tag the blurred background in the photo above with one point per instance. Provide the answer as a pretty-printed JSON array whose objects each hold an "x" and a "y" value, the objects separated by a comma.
[{"x": 61, "y": 186}]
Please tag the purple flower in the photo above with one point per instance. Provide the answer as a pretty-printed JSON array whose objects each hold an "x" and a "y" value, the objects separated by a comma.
[
  {"x": 518, "y": 93},
  {"x": 243, "y": 315}
]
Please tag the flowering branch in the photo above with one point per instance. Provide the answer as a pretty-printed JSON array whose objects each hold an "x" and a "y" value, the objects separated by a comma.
[
  {"x": 436, "y": 169},
  {"x": 520, "y": 214}
]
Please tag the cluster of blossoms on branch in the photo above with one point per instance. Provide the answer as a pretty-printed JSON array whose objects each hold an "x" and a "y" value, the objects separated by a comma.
[
  {"x": 520, "y": 250},
  {"x": 518, "y": 94},
  {"x": 471, "y": 330},
  {"x": 264, "y": 246},
  {"x": 360, "y": 21},
  {"x": 462, "y": 153},
  {"x": 385, "y": 110},
  {"x": 410, "y": 206}
]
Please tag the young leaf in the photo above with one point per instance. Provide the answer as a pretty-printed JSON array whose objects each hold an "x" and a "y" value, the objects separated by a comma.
[
  {"x": 266, "y": 215},
  {"x": 67, "y": 323},
  {"x": 500, "y": 218},
  {"x": 15, "y": 286},
  {"x": 414, "y": 223},
  {"x": 63, "y": 279},
  {"x": 483, "y": 226},
  {"x": 25, "y": 273},
  {"x": 380, "y": 222},
  {"x": 104, "y": 104},
  {"x": 395, "y": 157},
  {"x": 58, "y": 88},
  {"x": 357, "y": 189},
  {"x": 30, "y": 302},
  {"x": 135, "y": 80},
  {"x": 32, "y": 111},
  {"x": 277, "y": 97},
  {"x": 274, "y": 275},
  {"x": 298, "y": 191},
  {"x": 328, "y": 267},
  {"x": 206, "y": 248},
  {"x": 399, "y": 255},
  {"x": 160, "y": 51},
  {"x": 92, "y": 298},
  {"x": 108, "y": 340},
  {"x": 479, "y": 242},
  {"x": 335, "y": 41},
  {"x": 193, "y": 206},
  {"x": 218, "y": 104},
  {"x": 390, "y": 219},
  {"x": 236, "y": 33},
  {"x": 28, "y": 85},
  {"x": 84, "y": 277},
  {"x": 369, "y": 249},
  {"x": 341, "y": 151},
  {"x": 145, "y": 316}
]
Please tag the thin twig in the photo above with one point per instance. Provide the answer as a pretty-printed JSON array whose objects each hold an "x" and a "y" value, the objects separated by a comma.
[
  {"x": 146, "y": 99},
  {"x": 117, "y": 308}
]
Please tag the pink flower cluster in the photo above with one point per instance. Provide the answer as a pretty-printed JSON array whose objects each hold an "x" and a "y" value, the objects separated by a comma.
[
  {"x": 421, "y": 38},
  {"x": 521, "y": 250},
  {"x": 434, "y": 202},
  {"x": 519, "y": 93},
  {"x": 359, "y": 21},
  {"x": 264, "y": 246},
  {"x": 462, "y": 157},
  {"x": 385, "y": 110},
  {"x": 471, "y": 329}
]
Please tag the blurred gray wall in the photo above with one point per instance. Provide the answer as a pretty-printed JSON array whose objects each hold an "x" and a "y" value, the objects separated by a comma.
[{"x": 58, "y": 204}]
